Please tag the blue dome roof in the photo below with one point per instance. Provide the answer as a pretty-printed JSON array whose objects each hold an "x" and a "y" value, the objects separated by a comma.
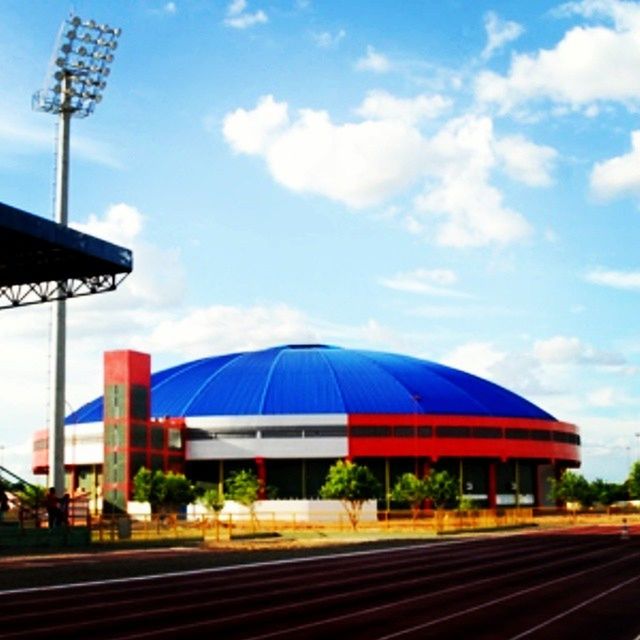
[{"x": 310, "y": 379}]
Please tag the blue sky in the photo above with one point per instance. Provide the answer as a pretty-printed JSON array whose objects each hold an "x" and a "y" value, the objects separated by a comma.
[{"x": 458, "y": 181}]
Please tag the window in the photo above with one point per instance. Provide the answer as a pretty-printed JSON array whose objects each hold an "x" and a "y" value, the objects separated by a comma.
[
  {"x": 487, "y": 432},
  {"x": 139, "y": 402},
  {"x": 200, "y": 434},
  {"x": 139, "y": 436},
  {"x": 453, "y": 432},
  {"x": 371, "y": 432},
  {"x": 280, "y": 432},
  {"x": 175, "y": 439},
  {"x": 157, "y": 437},
  {"x": 518, "y": 434},
  {"x": 237, "y": 433},
  {"x": 403, "y": 432},
  {"x": 325, "y": 432},
  {"x": 425, "y": 432},
  {"x": 114, "y": 398},
  {"x": 537, "y": 434},
  {"x": 568, "y": 438}
]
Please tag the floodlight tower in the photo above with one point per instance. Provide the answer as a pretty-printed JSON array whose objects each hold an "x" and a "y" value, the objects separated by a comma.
[{"x": 73, "y": 86}]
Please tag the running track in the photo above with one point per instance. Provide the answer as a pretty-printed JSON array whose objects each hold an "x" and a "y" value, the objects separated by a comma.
[{"x": 533, "y": 586}]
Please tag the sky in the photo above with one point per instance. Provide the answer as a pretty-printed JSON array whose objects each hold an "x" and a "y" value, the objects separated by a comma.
[{"x": 455, "y": 180}]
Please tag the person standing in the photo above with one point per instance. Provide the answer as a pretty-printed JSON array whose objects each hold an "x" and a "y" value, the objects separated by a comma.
[
  {"x": 63, "y": 509},
  {"x": 51, "y": 505},
  {"x": 4, "y": 502}
]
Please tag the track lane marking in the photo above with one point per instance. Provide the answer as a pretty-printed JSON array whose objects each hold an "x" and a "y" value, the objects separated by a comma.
[
  {"x": 577, "y": 607},
  {"x": 491, "y": 603},
  {"x": 183, "y": 608},
  {"x": 431, "y": 546},
  {"x": 238, "y": 567},
  {"x": 284, "y": 607},
  {"x": 372, "y": 572}
]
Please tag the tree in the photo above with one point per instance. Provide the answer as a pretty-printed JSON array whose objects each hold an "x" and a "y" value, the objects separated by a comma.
[
  {"x": 165, "y": 492},
  {"x": 178, "y": 491},
  {"x": 442, "y": 488},
  {"x": 31, "y": 496},
  {"x": 633, "y": 481},
  {"x": 244, "y": 487},
  {"x": 212, "y": 499},
  {"x": 31, "y": 499},
  {"x": 572, "y": 487},
  {"x": 411, "y": 490},
  {"x": 353, "y": 485},
  {"x": 606, "y": 493}
]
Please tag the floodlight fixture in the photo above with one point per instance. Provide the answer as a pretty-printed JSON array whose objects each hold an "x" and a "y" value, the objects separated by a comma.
[
  {"x": 74, "y": 81},
  {"x": 73, "y": 87}
]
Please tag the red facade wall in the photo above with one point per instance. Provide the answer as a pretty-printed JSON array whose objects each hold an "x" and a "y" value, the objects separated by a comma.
[{"x": 503, "y": 448}]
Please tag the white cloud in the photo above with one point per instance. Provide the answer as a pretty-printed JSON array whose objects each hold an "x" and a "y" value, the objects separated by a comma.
[
  {"x": 158, "y": 277},
  {"x": 618, "y": 176},
  {"x": 605, "y": 397},
  {"x": 328, "y": 40},
  {"x": 381, "y": 105},
  {"x": 499, "y": 33},
  {"x": 525, "y": 161},
  {"x": 373, "y": 61},
  {"x": 434, "y": 282},
  {"x": 589, "y": 64},
  {"x": 253, "y": 131},
  {"x": 616, "y": 279},
  {"x": 463, "y": 157},
  {"x": 479, "y": 358},
  {"x": 563, "y": 350},
  {"x": 626, "y": 15},
  {"x": 364, "y": 164},
  {"x": 358, "y": 164},
  {"x": 170, "y": 8},
  {"x": 236, "y": 7},
  {"x": 223, "y": 329},
  {"x": 239, "y": 18}
]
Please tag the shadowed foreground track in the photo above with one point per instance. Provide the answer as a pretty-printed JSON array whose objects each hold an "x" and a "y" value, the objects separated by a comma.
[{"x": 523, "y": 586}]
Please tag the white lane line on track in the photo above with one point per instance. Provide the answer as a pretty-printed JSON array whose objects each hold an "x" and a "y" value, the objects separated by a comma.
[
  {"x": 237, "y": 567},
  {"x": 524, "y": 634},
  {"x": 293, "y": 605},
  {"x": 511, "y": 596},
  {"x": 376, "y": 569},
  {"x": 431, "y": 623},
  {"x": 224, "y": 601}
]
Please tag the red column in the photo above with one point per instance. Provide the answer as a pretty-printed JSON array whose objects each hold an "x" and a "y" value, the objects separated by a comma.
[
  {"x": 261, "y": 468},
  {"x": 492, "y": 486}
]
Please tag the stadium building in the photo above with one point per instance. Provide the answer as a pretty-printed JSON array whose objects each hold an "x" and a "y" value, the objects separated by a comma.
[{"x": 290, "y": 412}]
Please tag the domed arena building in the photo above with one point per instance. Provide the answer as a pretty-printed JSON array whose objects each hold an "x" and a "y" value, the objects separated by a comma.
[{"x": 290, "y": 412}]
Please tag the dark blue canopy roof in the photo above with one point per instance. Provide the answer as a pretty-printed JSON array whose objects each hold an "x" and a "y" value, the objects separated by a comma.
[
  {"x": 311, "y": 379},
  {"x": 37, "y": 254}
]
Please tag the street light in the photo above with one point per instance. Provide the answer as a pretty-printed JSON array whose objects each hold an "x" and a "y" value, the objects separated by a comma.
[{"x": 73, "y": 86}]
